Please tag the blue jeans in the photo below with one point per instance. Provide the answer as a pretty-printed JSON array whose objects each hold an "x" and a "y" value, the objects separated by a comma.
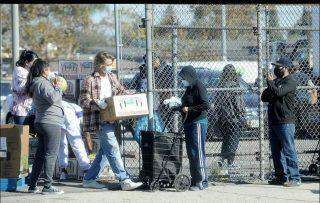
[
  {"x": 142, "y": 125},
  {"x": 283, "y": 152},
  {"x": 195, "y": 133},
  {"x": 109, "y": 147}
]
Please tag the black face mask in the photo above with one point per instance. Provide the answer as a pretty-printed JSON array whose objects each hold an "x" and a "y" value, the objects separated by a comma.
[{"x": 278, "y": 71}]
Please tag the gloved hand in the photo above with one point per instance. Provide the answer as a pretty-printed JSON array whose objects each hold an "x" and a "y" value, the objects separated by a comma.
[
  {"x": 102, "y": 103},
  {"x": 173, "y": 102}
]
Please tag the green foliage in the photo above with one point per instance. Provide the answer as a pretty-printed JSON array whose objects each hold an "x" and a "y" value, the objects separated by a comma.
[{"x": 60, "y": 24}]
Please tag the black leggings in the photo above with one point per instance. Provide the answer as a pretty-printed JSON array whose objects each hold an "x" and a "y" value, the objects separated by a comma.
[
  {"x": 49, "y": 141},
  {"x": 231, "y": 132}
]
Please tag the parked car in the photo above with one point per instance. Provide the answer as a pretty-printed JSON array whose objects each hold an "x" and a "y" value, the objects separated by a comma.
[
  {"x": 251, "y": 98},
  {"x": 6, "y": 102}
]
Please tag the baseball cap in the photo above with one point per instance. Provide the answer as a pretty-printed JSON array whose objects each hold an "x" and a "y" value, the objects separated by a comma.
[{"x": 284, "y": 62}]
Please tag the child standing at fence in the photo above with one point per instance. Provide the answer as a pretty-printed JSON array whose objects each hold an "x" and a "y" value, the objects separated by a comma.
[{"x": 194, "y": 109}]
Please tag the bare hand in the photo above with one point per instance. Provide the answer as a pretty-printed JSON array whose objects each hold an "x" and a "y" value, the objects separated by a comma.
[
  {"x": 185, "y": 109},
  {"x": 265, "y": 72},
  {"x": 270, "y": 77},
  {"x": 57, "y": 82}
]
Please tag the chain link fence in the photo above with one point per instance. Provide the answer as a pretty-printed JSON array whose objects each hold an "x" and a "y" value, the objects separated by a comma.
[{"x": 209, "y": 37}]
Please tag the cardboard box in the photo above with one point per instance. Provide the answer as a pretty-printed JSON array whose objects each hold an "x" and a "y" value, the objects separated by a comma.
[
  {"x": 15, "y": 139},
  {"x": 33, "y": 145},
  {"x": 125, "y": 106}
]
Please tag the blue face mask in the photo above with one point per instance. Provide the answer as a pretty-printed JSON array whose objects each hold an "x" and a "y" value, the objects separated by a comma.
[
  {"x": 108, "y": 69},
  {"x": 185, "y": 83}
]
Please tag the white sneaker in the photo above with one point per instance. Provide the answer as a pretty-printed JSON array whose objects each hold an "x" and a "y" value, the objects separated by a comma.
[
  {"x": 129, "y": 185},
  {"x": 92, "y": 184},
  {"x": 63, "y": 176}
]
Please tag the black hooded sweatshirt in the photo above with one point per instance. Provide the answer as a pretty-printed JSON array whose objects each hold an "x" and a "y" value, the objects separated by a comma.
[{"x": 195, "y": 96}]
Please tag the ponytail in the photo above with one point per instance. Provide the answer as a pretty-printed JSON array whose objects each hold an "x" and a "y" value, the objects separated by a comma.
[{"x": 26, "y": 56}]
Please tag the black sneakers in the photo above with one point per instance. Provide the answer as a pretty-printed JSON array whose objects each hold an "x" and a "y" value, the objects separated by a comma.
[
  {"x": 276, "y": 181},
  {"x": 33, "y": 190},
  {"x": 288, "y": 183}
]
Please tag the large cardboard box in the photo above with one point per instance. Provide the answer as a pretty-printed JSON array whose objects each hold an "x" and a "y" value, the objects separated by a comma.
[
  {"x": 15, "y": 147},
  {"x": 125, "y": 106}
]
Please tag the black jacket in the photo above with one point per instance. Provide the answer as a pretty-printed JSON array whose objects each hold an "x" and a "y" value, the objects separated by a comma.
[
  {"x": 195, "y": 97},
  {"x": 280, "y": 94},
  {"x": 229, "y": 105}
]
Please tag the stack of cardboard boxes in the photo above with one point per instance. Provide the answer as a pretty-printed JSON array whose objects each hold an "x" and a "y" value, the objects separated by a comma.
[{"x": 14, "y": 155}]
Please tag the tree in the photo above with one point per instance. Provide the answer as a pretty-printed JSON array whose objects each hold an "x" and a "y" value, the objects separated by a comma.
[
  {"x": 59, "y": 24},
  {"x": 304, "y": 21},
  {"x": 240, "y": 16},
  {"x": 168, "y": 19},
  {"x": 203, "y": 16},
  {"x": 6, "y": 27},
  {"x": 273, "y": 22}
]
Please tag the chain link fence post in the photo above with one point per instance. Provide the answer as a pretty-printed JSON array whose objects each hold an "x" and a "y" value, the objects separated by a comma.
[
  {"x": 148, "y": 10},
  {"x": 224, "y": 33},
  {"x": 260, "y": 22},
  {"x": 175, "y": 66},
  {"x": 15, "y": 33},
  {"x": 117, "y": 38},
  {"x": 316, "y": 39}
]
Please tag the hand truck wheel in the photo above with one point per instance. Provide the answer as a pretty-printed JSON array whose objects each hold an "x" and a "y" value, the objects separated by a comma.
[
  {"x": 182, "y": 183},
  {"x": 154, "y": 185},
  {"x": 313, "y": 168}
]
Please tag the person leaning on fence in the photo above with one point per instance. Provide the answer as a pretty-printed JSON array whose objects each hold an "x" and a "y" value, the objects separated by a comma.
[
  {"x": 22, "y": 110},
  {"x": 305, "y": 100},
  {"x": 96, "y": 88},
  {"x": 280, "y": 94},
  {"x": 230, "y": 110},
  {"x": 194, "y": 108},
  {"x": 139, "y": 82},
  {"x": 47, "y": 99}
]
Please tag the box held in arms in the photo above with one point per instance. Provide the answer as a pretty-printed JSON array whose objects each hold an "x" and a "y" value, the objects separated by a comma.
[
  {"x": 125, "y": 106},
  {"x": 14, "y": 141}
]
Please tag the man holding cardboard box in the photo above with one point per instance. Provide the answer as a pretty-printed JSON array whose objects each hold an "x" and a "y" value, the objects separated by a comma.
[{"x": 96, "y": 89}]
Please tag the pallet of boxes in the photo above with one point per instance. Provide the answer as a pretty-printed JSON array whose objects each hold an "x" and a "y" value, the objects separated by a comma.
[
  {"x": 14, "y": 155},
  {"x": 121, "y": 107}
]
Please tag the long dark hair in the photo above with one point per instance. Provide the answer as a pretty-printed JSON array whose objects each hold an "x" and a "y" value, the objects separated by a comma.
[
  {"x": 36, "y": 70},
  {"x": 26, "y": 56}
]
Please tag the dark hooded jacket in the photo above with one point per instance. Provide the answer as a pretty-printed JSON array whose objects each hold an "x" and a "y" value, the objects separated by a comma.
[{"x": 195, "y": 96}]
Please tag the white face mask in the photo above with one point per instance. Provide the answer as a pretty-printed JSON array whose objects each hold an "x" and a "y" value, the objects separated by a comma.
[
  {"x": 108, "y": 69},
  {"x": 185, "y": 83},
  {"x": 51, "y": 76}
]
